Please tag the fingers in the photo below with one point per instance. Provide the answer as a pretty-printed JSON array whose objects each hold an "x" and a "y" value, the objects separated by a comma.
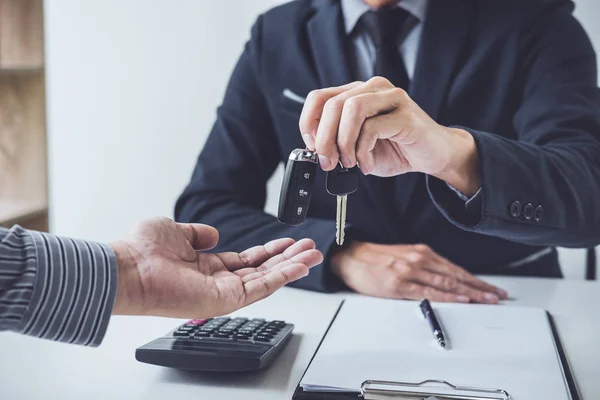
[
  {"x": 257, "y": 255},
  {"x": 264, "y": 282},
  {"x": 289, "y": 253},
  {"x": 333, "y": 109},
  {"x": 272, "y": 253},
  {"x": 363, "y": 110},
  {"x": 432, "y": 273},
  {"x": 486, "y": 291},
  {"x": 257, "y": 289},
  {"x": 415, "y": 291},
  {"x": 449, "y": 284},
  {"x": 310, "y": 258},
  {"x": 420, "y": 264},
  {"x": 372, "y": 130},
  {"x": 313, "y": 109},
  {"x": 200, "y": 236}
]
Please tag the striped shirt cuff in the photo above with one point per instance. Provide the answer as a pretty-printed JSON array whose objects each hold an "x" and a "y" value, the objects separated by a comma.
[{"x": 74, "y": 289}]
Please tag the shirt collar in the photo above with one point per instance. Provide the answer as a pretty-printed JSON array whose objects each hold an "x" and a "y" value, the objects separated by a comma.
[{"x": 352, "y": 10}]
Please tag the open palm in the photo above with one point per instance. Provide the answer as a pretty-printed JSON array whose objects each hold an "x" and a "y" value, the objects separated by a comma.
[{"x": 163, "y": 272}]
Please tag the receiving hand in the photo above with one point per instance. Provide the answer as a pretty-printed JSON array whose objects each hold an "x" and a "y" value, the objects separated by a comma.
[
  {"x": 162, "y": 271},
  {"x": 382, "y": 129},
  {"x": 409, "y": 272}
]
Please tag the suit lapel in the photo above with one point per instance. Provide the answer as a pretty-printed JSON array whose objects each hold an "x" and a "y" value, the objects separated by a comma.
[
  {"x": 442, "y": 47},
  {"x": 441, "y": 50},
  {"x": 328, "y": 44}
]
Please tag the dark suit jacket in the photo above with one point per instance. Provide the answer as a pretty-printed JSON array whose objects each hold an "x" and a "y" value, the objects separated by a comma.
[{"x": 519, "y": 75}]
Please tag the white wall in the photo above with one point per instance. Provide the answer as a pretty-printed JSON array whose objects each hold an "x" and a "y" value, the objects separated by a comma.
[{"x": 132, "y": 91}]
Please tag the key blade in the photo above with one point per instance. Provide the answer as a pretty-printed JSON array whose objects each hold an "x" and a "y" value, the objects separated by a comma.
[{"x": 340, "y": 220}]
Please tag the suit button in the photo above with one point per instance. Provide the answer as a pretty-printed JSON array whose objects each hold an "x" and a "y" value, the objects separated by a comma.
[
  {"x": 538, "y": 214},
  {"x": 528, "y": 212},
  {"x": 515, "y": 209}
]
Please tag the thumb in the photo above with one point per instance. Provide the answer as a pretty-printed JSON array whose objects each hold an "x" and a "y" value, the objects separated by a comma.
[{"x": 200, "y": 236}]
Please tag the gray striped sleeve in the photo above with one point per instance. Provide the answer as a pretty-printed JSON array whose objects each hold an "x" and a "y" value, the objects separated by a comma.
[{"x": 56, "y": 288}]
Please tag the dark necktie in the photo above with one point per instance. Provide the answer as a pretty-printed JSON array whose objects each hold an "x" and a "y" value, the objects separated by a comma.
[{"x": 388, "y": 27}]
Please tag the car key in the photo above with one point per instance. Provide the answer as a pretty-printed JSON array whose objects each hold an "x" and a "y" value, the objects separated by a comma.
[
  {"x": 297, "y": 186},
  {"x": 341, "y": 182}
]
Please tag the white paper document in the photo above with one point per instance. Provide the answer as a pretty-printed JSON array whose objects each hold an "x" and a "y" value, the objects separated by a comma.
[{"x": 496, "y": 347}]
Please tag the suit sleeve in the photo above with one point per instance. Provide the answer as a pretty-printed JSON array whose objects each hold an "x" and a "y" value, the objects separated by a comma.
[
  {"x": 544, "y": 188},
  {"x": 228, "y": 186}
]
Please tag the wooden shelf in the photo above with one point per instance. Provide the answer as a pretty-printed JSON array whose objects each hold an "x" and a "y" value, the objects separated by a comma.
[
  {"x": 23, "y": 152},
  {"x": 23, "y": 162},
  {"x": 21, "y": 71},
  {"x": 21, "y": 34},
  {"x": 19, "y": 212}
]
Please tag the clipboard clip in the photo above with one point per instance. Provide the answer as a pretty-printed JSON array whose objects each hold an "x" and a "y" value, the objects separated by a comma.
[{"x": 442, "y": 390}]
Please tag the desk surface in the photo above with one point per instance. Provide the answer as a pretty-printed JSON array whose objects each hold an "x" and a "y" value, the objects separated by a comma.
[{"x": 37, "y": 369}]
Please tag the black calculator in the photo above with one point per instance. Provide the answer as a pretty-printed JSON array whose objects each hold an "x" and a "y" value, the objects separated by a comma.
[{"x": 219, "y": 344}]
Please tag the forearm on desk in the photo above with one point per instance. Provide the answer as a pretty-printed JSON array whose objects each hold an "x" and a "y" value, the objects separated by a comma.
[{"x": 56, "y": 288}]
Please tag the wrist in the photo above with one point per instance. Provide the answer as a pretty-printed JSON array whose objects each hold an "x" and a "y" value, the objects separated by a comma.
[
  {"x": 127, "y": 288},
  {"x": 335, "y": 264},
  {"x": 338, "y": 261},
  {"x": 463, "y": 170}
]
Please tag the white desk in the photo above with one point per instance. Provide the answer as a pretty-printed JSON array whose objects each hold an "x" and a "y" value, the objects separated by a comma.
[{"x": 37, "y": 369}]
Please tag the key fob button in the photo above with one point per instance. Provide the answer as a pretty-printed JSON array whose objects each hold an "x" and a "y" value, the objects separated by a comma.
[
  {"x": 303, "y": 193},
  {"x": 300, "y": 210},
  {"x": 305, "y": 175}
]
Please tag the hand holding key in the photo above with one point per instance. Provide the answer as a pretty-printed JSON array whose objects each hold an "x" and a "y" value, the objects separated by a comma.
[
  {"x": 382, "y": 129},
  {"x": 409, "y": 272}
]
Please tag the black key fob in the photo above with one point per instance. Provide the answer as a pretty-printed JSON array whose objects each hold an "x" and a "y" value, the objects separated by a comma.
[{"x": 297, "y": 186}]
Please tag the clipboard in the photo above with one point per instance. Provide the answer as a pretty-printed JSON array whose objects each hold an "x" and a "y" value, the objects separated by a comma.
[{"x": 374, "y": 389}]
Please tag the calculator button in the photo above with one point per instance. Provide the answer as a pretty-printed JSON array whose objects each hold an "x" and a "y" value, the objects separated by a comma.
[
  {"x": 221, "y": 335},
  {"x": 249, "y": 327},
  {"x": 190, "y": 327},
  {"x": 181, "y": 333},
  {"x": 262, "y": 338},
  {"x": 186, "y": 328},
  {"x": 202, "y": 334},
  {"x": 273, "y": 327},
  {"x": 240, "y": 336},
  {"x": 197, "y": 322},
  {"x": 240, "y": 320}
]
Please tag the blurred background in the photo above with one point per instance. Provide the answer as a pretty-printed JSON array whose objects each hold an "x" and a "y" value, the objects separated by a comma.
[{"x": 131, "y": 89}]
